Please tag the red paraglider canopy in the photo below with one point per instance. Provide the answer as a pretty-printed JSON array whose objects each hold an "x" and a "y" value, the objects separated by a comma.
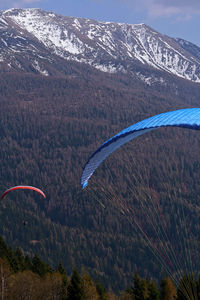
[{"x": 23, "y": 187}]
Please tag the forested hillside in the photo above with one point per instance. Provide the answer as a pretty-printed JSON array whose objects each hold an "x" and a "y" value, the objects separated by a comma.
[
  {"x": 23, "y": 277},
  {"x": 50, "y": 126}
]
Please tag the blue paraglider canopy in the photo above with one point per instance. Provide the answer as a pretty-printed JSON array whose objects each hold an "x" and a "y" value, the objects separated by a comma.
[{"x": 185, "y": 118}]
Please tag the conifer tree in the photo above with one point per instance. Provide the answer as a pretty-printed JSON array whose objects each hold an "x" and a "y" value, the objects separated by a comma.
[
  {"x": 61, "y": 269},
  {"x": 39, "y": 267},
  {"x": 20, "y": 259},
  {"x": 139, "y": 289},
  {"x": 3, "y": 248},
  {"x": 153, "y": 292},
  {"x": 12, "y": 259},
  {"x": 101, "y": 291},
  {"x": 28, "y": 263},
  {"x": 75, "y": 289}
]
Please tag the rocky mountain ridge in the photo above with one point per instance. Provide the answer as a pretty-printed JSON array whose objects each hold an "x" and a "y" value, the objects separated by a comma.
[{"x": 42, "y": 42}]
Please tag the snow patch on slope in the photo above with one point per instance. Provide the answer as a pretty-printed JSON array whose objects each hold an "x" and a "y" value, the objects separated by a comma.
[{"x": 107, "y": 46}]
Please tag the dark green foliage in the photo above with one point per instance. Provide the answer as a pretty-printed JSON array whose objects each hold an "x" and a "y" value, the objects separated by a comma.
[
  {"x": 3, "y": 248},
  {"x": 39, "y": 267},
  {"x": 8, "y": 254},
  {"x": 139, "y": 290},
  {"x": 61, "y": 269},
  {"x": 13, "y": 261},
  {"x": 152, "y": 291},
  {"x": 75, "y": 288},
  {"x": 20, "y": 259},
  {"x": 101, "y": 290},
  {"x": 143, "y": 289},
  {"x": 28, "y": 263}
]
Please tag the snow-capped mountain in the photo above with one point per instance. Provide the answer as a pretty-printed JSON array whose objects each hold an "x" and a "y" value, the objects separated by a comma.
[{"x": 40, "y": 41}]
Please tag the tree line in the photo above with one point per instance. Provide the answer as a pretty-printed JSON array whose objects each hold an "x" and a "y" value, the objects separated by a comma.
[{"x": 26, "y": 278}]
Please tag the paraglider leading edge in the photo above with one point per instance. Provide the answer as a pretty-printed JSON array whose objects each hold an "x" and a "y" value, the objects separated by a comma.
[{"x": 184, "y": 118}]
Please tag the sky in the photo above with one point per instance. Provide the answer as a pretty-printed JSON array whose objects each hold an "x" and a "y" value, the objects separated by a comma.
[{"x": 175, "y": 18}]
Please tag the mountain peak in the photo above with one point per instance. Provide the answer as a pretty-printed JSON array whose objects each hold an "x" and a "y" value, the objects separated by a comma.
[{"x": 107, "y": 46}]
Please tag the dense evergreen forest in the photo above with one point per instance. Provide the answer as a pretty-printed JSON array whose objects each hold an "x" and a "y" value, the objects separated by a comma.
[
  {"x": 24, "y": 278},
  {"x": 50, "y": 126}
]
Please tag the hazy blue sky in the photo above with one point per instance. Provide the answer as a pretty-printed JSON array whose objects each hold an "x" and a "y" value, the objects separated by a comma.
[{"x": 176, "y": 18}]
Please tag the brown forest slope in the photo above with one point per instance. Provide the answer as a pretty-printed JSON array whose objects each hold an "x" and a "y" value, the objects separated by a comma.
[{"x": 49, "y": 127}]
